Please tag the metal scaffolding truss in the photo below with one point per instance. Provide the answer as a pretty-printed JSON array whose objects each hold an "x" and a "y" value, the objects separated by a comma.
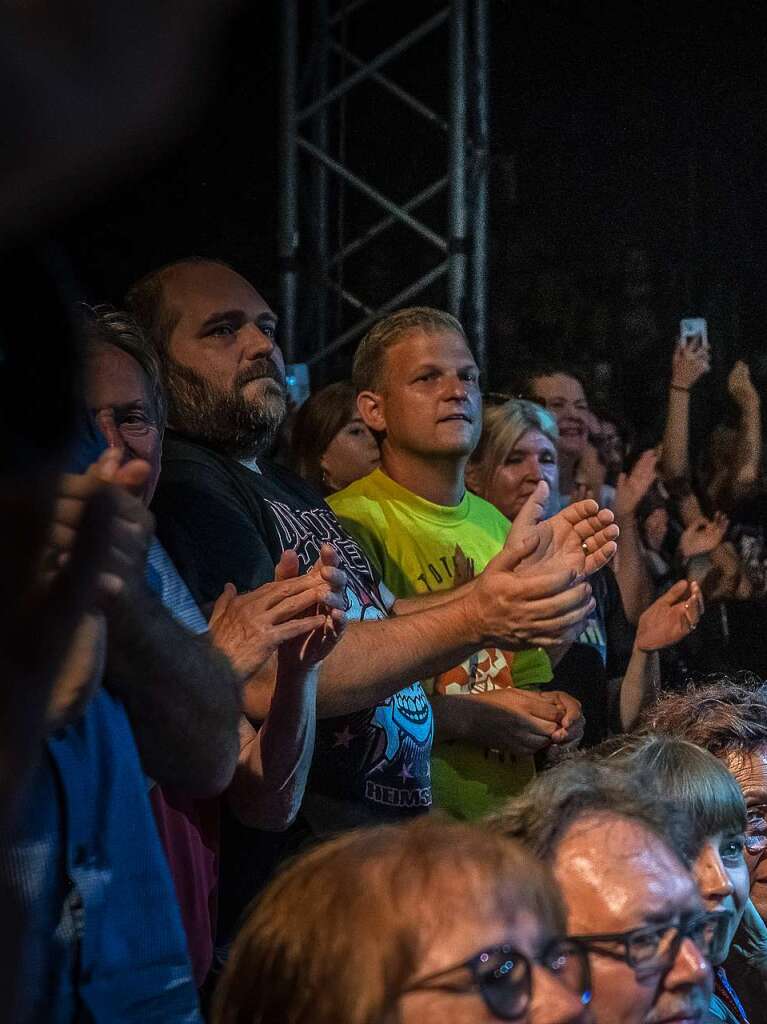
[{"x": 315, "y": 261}]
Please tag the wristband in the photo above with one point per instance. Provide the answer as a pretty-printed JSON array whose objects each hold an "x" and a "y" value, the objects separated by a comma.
[{"x": 678, "y": 387}]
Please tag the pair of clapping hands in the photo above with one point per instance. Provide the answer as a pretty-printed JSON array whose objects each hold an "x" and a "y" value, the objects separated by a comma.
[
  {"x": 535, "y": 593},
  {"x": 542, "y": 575},
  {"x": 301, "y": 615}
]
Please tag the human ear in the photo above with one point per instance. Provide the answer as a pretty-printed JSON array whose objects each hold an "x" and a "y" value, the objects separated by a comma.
[{"x": 371, "y": 408}]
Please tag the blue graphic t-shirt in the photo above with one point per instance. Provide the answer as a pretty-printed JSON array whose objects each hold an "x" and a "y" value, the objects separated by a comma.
[{"x": 221, "y": 521}]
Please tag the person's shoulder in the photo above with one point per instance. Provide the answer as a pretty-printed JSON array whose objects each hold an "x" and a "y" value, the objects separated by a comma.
[
  {"x": 362, "y": 492},
  {"x": 184, "y": 460},
  {"x": 280, "y": 478}
]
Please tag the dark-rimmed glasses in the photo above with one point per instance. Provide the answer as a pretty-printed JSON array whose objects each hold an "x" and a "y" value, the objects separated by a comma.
[
  {"x": 504, "y": 977},
  {"x": 655, "y": 947}
]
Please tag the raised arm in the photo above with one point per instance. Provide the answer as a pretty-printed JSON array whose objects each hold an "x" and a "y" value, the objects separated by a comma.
[
  {"x": 295, "y": 621},
  {"x": 749, "y": 448},
  {"x": 689, "y": 364},
  {"x": 667, "y": 621},
  {"x": 630, "y": 564}
]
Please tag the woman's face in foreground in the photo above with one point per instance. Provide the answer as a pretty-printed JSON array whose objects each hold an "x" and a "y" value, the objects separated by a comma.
[{"x": 721, "y": 872}]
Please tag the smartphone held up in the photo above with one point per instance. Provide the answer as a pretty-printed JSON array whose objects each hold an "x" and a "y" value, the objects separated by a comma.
[{"x": 693, "y": 331}]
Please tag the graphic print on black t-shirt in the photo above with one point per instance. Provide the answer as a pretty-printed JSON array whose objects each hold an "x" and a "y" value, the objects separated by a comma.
[
  {"x": 384, "y": 751},
  {"x": 221, "y": 521}
]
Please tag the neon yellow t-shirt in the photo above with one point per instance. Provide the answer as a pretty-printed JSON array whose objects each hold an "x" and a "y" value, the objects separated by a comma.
[{"x": 413, "y": 544}]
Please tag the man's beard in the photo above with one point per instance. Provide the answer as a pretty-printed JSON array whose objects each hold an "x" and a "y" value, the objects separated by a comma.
[{"x": 227, "y": 421}]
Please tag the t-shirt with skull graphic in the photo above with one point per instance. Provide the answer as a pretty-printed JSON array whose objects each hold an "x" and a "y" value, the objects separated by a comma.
[{"x": 224, "y": 521}]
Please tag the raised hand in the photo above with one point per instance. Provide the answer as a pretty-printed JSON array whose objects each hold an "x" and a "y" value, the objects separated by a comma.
[
  {"x": 740, "y": 386},
  {"x": 703, "y": 535},
  {"x": 671, "y": 618},
  {"x": 690, "y": 362},
  {"x": 633, "y": 486},
  {"x": 581, "y": 538},
  {"x": 250, "y": 628}
]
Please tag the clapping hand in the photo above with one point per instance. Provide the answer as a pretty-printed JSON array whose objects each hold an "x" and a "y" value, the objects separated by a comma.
[
  {"x": 581, "y": 538},
  {"x": 302, "y": 616},
  {"x": 129, "y": 530}
]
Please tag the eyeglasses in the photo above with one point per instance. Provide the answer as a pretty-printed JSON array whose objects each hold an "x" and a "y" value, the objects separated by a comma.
[
  {"x": 651, "y": 949},
  {"x": 756, "y": 829},
  {"x": 503, "y": 976}
]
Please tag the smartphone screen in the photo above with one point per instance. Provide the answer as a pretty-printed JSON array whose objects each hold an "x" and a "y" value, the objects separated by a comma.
[{"x": 693, "y": 330}]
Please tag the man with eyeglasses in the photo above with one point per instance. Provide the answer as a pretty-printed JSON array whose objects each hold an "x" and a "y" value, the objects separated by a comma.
[{"x": 619, "y": 855}]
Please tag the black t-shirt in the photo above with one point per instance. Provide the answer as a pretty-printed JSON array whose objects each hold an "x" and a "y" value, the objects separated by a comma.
[
  {"x": 223, "y": 522},
  {"x": 601, "y": 654}
]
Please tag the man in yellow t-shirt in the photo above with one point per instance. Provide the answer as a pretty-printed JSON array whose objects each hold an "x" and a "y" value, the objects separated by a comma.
[{"x": 424, "y": 533}]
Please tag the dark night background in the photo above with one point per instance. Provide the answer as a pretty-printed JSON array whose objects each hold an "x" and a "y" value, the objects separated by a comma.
[{"x": 627, "y": 190}]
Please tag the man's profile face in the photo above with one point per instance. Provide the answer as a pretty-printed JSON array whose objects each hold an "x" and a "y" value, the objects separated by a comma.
[
  {"x": 225, "y": 373},
  {"x": 616, "y": 876},
  {"x": 430, "y": 398}
]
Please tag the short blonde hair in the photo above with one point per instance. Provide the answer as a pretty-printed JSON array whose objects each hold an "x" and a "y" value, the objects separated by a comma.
[
  {"x": 503, "y": 427},
  {"x": 339, "y": 933},
  {"x": 369, "y": 359}
]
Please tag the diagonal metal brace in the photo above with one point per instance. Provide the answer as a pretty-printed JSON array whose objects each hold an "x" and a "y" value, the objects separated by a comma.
[
  {"x": 372, "y": 193},
  {"x": 378, "y": 62},
  {"x": 396, "y": 300},
  {"x": 372, "y": 232},
  {"x": 396, "y": 90}
]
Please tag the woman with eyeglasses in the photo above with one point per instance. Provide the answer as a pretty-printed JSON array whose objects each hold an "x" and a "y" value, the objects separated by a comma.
[
  {"x": 700, "y": 787},
  {"x": 426, "y": 923}
]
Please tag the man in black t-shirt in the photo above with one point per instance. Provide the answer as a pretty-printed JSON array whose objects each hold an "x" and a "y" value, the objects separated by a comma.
[{"x": 225, "y": 515}]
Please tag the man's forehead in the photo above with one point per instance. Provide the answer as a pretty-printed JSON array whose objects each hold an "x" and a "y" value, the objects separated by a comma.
[
  {"x": 110, "y": 369},
  {"x": 419, "y": 345},
  {"x": 750, "y": 768},
  {"x": 197, "y": 289},
  {"x": 615, "y": 874}
]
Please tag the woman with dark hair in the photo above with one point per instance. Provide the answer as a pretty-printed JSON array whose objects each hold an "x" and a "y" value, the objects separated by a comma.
[
  {"x": 699, "y": 786},
  {"x": 408, "y": 924},
  {"x": 330, "y": 445}
]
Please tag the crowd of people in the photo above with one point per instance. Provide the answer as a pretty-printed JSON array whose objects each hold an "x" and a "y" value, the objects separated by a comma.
[{"x": 389, "y": 708}]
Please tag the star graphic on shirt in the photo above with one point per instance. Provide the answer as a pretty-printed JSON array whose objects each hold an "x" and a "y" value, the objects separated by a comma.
[
  {"x": 343, "y": 739},
  {"x": 406, "y": 772}
]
